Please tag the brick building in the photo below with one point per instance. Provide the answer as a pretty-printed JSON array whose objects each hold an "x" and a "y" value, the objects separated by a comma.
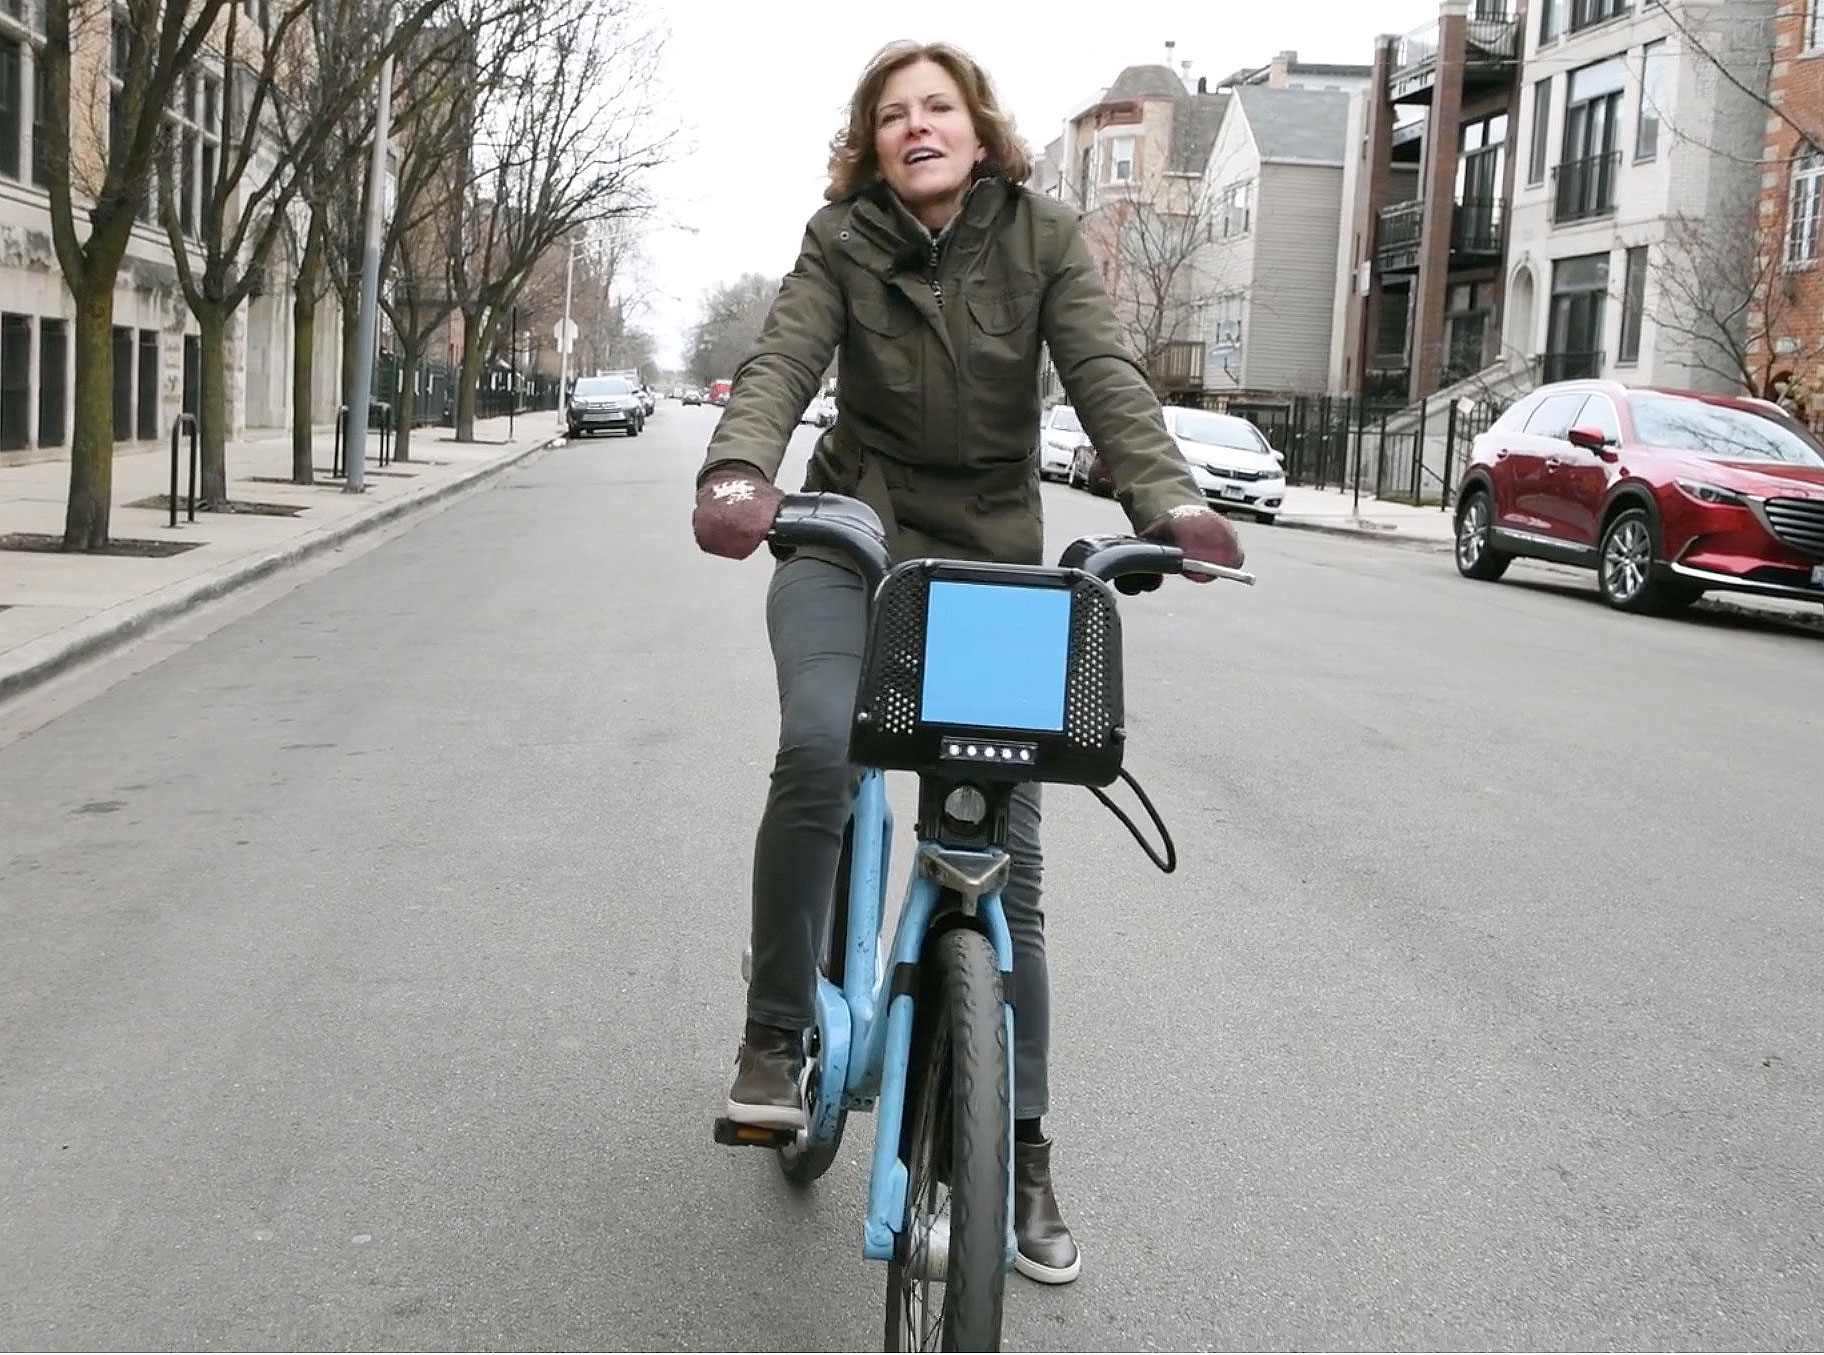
[{"x": 1786, "y": 327}]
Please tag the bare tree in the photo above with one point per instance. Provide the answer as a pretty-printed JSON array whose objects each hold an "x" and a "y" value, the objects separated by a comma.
[
  {"x": 274, "y": 112},
  {"x": 728, "y": 326},
  {"x": 1727, "y": 294},
  {"x": 153, "y": 43},
  {"x": 565, "y": 137},
  {"x": 1154, "y": 249}
]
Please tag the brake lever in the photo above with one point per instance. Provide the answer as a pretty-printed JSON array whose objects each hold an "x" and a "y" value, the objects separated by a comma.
[{"x": 1204, "y": 569}]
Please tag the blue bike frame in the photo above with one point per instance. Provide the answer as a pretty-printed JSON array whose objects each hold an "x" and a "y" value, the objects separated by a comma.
[{"x": 865, "y": 1028}]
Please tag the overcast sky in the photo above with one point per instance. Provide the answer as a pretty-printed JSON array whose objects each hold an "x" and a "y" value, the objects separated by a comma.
[{"x": 761, "y": 85}]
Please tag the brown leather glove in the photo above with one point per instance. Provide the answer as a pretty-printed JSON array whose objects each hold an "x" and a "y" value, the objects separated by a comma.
[
  {"x": 736, "y": 505},
  {"x": 1201, "y": 533}
]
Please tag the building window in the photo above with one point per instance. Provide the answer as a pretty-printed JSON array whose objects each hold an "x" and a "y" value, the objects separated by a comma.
[
  {"x": 1587, "y": 13},
  {"x": 1652, "y": 99},
  {"x": 1803, "y": 207},
  {"x": 1573, "y": 343},
  {"x": 1548, "y": 20},
  {"x": 1633, "y": 305},
  {"x": 1225, "y": 315},
  {"x": 15, "y": 382},
  {"x": 53, "y": 380},
  {"x": 148, "y": 383},
  {"x": 1235, "y": 210},
  {"x": 123, "y": 383},
  {"x": 12, "y": 104},
  {"x": 1120, "y": 160},
  {"x": 1481, "y": 172},
  {"x": 1813, "y": 36},
  {"x": 1542, "y": 122},
  {"x": 1469, "y": 320},
  {"x": 1392, "y": 312},
  {"x": 41, "y": 142},
  {"x": 196, "y": 134},
  {"x": 1590, "y": 164}
]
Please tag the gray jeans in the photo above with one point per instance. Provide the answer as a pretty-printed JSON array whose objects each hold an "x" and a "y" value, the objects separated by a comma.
[{"x": 816, "y": 615}]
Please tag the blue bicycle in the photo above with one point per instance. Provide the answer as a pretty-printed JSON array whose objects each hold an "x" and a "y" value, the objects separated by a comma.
[{"x": 977, "y": 677}]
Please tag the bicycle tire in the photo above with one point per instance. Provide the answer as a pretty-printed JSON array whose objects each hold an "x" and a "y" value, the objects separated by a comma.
[
  {"x": 955, "y": 1126},
  {"x": 804, "y": 1163}
]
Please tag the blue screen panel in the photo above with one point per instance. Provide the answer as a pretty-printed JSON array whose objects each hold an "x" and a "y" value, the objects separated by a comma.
[{"x": 996, "y": 655}]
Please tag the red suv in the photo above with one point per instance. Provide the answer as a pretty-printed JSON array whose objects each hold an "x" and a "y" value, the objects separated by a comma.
[{"x": 1666, "y": 494}]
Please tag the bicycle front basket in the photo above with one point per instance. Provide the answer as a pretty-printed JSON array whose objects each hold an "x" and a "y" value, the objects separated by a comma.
[{"x": 1004, "y": 672}]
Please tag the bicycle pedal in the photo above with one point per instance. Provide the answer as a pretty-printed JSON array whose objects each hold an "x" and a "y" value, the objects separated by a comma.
[{"x": 734, "y": 1134}]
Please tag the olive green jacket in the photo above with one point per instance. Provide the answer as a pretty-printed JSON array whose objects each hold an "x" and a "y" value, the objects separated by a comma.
[{"x": 938, "y": 342}]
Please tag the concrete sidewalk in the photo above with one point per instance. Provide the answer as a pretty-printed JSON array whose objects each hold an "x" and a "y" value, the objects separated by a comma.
[
  {"x": 1431, "y": 528},
  {"x": 57, "y": 608}
]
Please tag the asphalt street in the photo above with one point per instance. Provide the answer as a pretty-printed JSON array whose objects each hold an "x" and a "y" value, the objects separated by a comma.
[{"x": 369, "y": 962}]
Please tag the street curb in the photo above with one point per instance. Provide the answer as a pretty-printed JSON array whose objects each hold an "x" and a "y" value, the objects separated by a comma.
[
  {"x": 1391, "y": 537},
  {"x": 99, "y": 638},
  {"x": 1725, "y": 603}
]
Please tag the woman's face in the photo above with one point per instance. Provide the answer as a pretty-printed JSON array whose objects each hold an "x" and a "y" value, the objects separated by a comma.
[{"x": 926, "y": 142}]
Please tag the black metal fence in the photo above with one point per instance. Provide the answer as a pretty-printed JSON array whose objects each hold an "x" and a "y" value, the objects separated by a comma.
[
  {"x": 1388, "y": 449},
  {"x": 499, "y": 391}
]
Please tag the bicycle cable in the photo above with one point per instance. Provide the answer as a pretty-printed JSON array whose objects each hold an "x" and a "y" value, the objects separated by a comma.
[{"x": 1169, "y": 862}]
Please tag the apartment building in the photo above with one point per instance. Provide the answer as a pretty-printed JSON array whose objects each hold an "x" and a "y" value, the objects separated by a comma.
[
  {"x": 1272, "y": 195},
  {"x": 1785, "y": 336},
  {"x": 1422, "y": 280},
  {"x": 155, "y": 344},
  {"x": 1641, "y": 131}
]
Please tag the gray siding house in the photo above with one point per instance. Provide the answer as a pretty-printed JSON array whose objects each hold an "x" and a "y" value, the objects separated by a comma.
[{"x": 1272, "y": 198}]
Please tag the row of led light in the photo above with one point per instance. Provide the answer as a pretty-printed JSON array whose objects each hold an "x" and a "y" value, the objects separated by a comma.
[{"x": 990, "y": 751}]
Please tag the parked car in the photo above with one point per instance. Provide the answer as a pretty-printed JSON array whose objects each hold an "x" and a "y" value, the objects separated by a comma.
[
  {"x": 821, "y": 412},
  {"x": 1231, "y": 460},
  {"x": 693, "y": 396},
  {"x": 1664, "y": 493},
  {"x": 1059, "y": 434},
  {"x": 599, "y": 403},
  {"x": 1089, "y": 468}
]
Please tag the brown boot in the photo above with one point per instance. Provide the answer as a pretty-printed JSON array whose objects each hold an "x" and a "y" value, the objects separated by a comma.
[{"x": 1046, "y": 1251}]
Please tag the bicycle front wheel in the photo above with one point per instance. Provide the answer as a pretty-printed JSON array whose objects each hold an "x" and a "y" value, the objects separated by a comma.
[{"x": 947, "y": 1277}]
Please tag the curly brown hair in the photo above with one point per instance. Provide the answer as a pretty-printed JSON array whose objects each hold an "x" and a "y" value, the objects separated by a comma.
[{"x": 853, "y": 163}]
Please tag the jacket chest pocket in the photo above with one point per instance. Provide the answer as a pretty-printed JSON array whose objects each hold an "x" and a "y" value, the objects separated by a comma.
[
  {"x": 1003, "y": 334},
  {"x": 883, "y": 340}
]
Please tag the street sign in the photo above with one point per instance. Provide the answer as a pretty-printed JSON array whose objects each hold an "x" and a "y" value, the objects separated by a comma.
[{"x": 564, "y": 331}]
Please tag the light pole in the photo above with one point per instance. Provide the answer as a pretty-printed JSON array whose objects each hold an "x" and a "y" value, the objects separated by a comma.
[
  {"x": 563, "y": 339},
  {"x": 363, "y": 390}
]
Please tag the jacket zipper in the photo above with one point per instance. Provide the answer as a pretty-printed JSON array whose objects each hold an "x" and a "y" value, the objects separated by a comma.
[{"x": 937, "y": 287}]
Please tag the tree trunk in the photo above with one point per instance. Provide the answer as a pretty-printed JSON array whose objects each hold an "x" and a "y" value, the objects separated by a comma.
[
  {"x": 304, "y": 357},
  {"x": 351, "y": 329},
  {"x": 85, "y": 523},
  {"x": 470, "y": 377},
  {"x": 212, "y": 401},
  {"x": 406, "y": 409}
]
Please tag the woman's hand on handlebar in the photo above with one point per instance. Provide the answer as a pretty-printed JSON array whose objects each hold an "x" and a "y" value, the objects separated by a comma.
[
  {"x": 736, "y": 505},
  {"x": 1202, "y": 534}
]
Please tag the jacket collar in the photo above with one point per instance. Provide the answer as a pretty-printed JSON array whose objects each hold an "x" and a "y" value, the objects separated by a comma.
[{"x": 890, "y": 225}]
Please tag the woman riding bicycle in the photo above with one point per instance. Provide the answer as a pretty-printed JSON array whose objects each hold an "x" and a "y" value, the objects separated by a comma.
[{"x": 933, "y": 276}]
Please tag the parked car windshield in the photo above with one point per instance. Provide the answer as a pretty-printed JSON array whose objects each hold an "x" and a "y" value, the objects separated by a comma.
[
  {"x": 1217, "y": 430},
  {"x": 1064, "y": 418},
  {"x": 1721, "y": 431},
  {"x": 597, "y": 386}
]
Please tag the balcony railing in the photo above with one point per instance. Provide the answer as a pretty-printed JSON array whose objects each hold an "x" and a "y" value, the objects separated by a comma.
[
  {"x": 1478, "y": 228},
  {"x": 1178, "y": 364},
  {"x": 1571, "y": 366},
  {"x": 1585, "y": 188},
  {"x": 1397, "y": 245}
]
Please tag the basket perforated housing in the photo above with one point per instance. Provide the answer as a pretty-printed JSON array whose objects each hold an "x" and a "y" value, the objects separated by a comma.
[{"x": 890, "y": 731}]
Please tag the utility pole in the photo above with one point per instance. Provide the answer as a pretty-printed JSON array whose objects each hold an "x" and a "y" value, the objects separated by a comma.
[
  {"x": 564, "y": 339},
  {"x": 365, "y": 323}
]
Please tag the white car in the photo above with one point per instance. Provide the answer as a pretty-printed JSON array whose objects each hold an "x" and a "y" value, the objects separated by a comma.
[
  {"x": 1059, "y": 434},
  {"x": 1231, "y": 461},
  {"x": 821, "y": 412}
]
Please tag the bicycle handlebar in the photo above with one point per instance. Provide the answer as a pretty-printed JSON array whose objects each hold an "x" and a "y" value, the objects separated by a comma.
[{"x": 848, "y": 525}]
